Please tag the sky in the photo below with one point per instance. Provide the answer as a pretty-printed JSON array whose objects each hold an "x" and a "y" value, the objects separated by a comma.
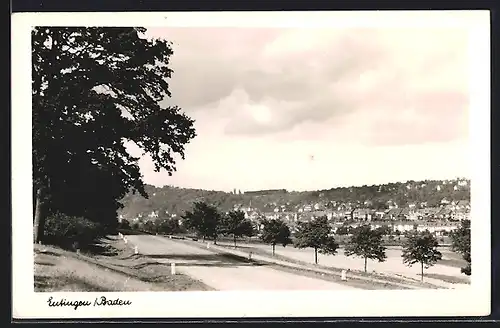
[{"x": 317, "y": 108}]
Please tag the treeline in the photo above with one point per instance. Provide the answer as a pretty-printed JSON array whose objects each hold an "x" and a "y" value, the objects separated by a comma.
[
  {"x": 178, "y": 200},
  {"x": 206, "y": 221}
]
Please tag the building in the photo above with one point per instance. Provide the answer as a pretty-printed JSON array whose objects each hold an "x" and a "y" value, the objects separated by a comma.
[
  {"x": 444, "y": 201},
  {"x": 363, "y": 214},
  {"x": 393, "y": 213},
  {"x": 437, "y": 228},
  {"x": 402, "y": 227},
  {"x": 444, "y": 213}
]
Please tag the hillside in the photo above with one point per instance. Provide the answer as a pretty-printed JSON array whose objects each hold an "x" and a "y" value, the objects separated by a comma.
[{"x": 177, "y": 200}]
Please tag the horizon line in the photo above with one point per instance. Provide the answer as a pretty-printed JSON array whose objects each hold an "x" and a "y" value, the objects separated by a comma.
[{"x": 309, "y": 190}]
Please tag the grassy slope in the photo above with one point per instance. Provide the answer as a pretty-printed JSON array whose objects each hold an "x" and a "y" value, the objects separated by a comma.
[{"x": 59, "y": 270}]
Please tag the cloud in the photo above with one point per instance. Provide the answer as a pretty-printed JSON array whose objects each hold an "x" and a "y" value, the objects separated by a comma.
[{"x": 377, "y": 86}]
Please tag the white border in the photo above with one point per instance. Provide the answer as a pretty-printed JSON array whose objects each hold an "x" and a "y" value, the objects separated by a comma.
[{"x": 473, "y": 301}]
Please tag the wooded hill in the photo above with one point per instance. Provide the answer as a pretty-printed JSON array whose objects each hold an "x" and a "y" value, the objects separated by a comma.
[{"x": 177, "y": 200}]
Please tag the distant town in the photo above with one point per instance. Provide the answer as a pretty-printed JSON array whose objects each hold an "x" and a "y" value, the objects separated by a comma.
[{"x": 436, "y": 206}]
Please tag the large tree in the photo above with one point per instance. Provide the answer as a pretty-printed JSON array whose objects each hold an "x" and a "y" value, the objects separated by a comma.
[
  {"x": 366, "y": 243},
  {"x": 94, "y": 90},
  {"x": 234, "y": 223},
  {"x": 275, "y": 232},
  {"x": 317, "y": 235},
  {"x": 421, "y": 247},
  {"x": 460, "y": 239}
]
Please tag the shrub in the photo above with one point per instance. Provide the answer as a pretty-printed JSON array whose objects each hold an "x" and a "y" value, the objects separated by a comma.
[
  {"x": 124, "y": 224},
  {"x": 71, "y": 232}
]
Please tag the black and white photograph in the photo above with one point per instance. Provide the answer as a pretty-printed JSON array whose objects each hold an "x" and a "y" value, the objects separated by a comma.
[{"x": 215, "y": 162}]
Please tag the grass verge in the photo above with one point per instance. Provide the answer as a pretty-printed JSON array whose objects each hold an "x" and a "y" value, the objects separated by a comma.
[
  {"x": 59, "y": 270},
  {"x": 390, "y": 282}
]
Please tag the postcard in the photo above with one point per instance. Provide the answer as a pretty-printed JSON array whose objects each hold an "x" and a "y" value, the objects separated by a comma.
[{"x": 250, "y": 164}]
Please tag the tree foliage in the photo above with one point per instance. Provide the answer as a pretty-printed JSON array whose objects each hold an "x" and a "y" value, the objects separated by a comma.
[
  {"x": 71, "y": 232},
  {"x": 421, "y": 247},
  {"x": 275, "y": 232},
  {"x": 316, "y": 234},
  {"x": 234, "y": 223},
  {"x": 95, "y": 90},
  {"x": 205, "y": 219},
  {"x": 169, "y": 226},
  {"x": 366, "y": 243},
  {"x": 460, "y": 239}
]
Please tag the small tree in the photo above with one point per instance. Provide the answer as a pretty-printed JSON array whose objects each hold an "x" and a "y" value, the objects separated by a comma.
[
  {"x": 460, "y": 243},
  {"x": 384, "y": 230},
  {"x": 421, "y": 247},
  {"x": 275, "y": 232},
  {"x": 316, "y": 234},
  {"x": 149, "y": 226},
  {"x": 205, "y": 219},
  {"x": 366, "y": 243},
  {"x": 168, "y": 226},
  {"x": 235, "y": 224},
  {"x": 342, "y": 230}
]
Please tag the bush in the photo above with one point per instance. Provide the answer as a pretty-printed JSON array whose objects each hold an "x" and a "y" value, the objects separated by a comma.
[
  {"x": 71, "y": 232},
  {"x": 124, "y": 224}
]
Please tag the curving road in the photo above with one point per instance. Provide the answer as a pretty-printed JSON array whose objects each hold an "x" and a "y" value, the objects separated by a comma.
[{"x": 221, "y": 272}]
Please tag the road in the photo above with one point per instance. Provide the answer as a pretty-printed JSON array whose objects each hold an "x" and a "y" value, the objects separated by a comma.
[{"x": 223, "y": 273}]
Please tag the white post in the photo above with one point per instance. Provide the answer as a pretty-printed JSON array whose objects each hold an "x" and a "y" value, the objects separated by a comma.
[
  {"x": 125, "y": 240},
  {"x": 344, "y": 275},
  {"x": 208, "y": 245},
  {"x": 136, "y": 250},
  {"x": 170, "y": 237},
  {"x": 172, "y": 268}
]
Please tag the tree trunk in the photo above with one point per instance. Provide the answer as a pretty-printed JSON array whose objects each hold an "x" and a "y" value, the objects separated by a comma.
[
  {"x": 365, "y": 263},
  {"x": 273, "y": 248},
  {"x": 422, "y": 271},
  {"x": 315, "y": 255},
  {"x": 215, "y": 240},
  {"x": 234, "y": 238},
  {"x": 39, "y": 223}
]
